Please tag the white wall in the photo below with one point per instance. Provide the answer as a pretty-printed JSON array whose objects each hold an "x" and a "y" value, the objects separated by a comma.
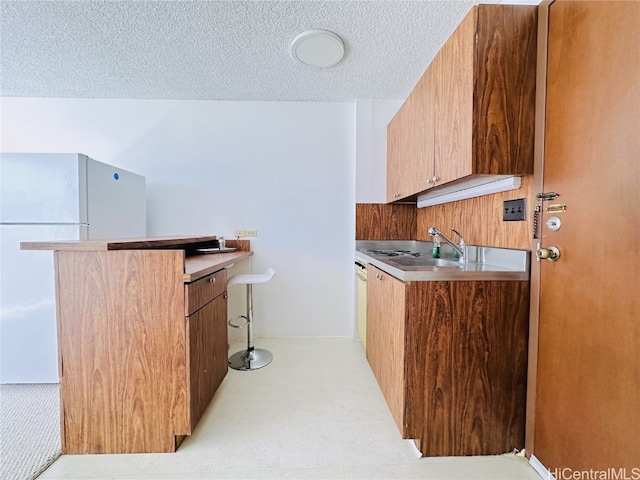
[
  {"x": 285, "y": 169},
  {"x": 372, "y": 117}
]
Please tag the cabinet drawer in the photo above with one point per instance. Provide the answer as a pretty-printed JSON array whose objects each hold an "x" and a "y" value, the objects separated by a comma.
[{"x": 201, "y": 292}]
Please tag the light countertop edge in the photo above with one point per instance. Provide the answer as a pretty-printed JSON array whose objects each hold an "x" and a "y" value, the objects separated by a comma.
[{"x": 198, "y": 266}]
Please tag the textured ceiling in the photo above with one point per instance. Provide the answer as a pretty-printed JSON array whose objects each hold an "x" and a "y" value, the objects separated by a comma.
[{"x": 217, "y": 50}]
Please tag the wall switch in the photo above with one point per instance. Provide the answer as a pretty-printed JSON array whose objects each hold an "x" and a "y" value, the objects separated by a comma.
[
  {"x": 252, "y": 233},
  {"x": 240, "y": 233},
  {"x": 514, "y": 210}
]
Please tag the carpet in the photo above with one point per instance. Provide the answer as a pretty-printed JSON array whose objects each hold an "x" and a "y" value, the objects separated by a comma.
[{"x": 29, "y": 429}]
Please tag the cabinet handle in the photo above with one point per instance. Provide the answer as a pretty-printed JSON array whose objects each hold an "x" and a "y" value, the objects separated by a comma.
[
  {"x": 429, "y": 182},
  {"x": 435, "y": 179},
  {"x": 379, "y": 276},
  {"x": 212, "y": 280}
]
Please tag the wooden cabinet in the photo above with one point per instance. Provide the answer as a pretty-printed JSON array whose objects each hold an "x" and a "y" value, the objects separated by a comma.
[
  {"x": 454, "y": 75},
  {"x": 386, "y": 314},
  {"x": 142, "y": 340},
  {"x": 410, "y": 142},
  {"x": 207, "y": 340},
  {"x": 451, "y": 361},
  {"x": 472, "y": 112}
]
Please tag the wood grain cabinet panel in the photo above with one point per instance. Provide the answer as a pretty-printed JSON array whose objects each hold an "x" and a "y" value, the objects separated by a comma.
[
  {"x": 454, "y": 69},
  {"x": 207, "y": 334},
  {"x": 141, "y": 353},
  {"x": 379, "y": 221},
  {"x": 472, "y": 112},
  {"x": 121, "y": 336},
  {"x": 451, "y": 361},
  {"x": 410, "y": 142},
  {"x": 385, "y": 338}
]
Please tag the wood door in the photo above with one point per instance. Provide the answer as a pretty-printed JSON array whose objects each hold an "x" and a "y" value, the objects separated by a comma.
[
  {"x": 424, "y": 136},
  {"x": 386, "y": 308},
  {"x": 505, "y": 85},
  {"x": 587, "y": 413},
  {"x": 454, "y": 103},
  {"x": 207, "y": 333},
  {"x": 410, "y": 145},
  {"x": 397, "y": 148},
  {"x": 467, "y": 365},
  {"x": 219, "y": 341}
]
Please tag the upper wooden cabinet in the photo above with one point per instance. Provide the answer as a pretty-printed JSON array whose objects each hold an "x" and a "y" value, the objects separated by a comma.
[
  {"x": 410, "y": 153},
  {"x": 472, "y": 112}
]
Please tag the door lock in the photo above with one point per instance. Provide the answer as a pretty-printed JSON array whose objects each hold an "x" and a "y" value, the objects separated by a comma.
[
  {"x": 547, "y": 196},
  {"x": 552, "y": 254}
]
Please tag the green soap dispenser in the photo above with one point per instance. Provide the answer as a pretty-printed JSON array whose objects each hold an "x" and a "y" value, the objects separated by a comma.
[{"x": 435, "y": 252}]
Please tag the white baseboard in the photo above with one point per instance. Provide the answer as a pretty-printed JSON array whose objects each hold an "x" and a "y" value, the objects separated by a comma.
[
  {"x": 414, "y": 447},
  {"x": 544, "y": 472}
]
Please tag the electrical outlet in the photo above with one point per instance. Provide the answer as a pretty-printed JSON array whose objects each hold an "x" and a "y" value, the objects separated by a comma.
[
  {"x": 514, "y": 210},
  {"x": 252, "y": 233},
  {"x": 240, "y": 233}
]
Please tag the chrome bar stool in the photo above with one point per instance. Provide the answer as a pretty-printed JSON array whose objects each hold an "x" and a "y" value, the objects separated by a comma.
[{"x": 251, "y": 358}]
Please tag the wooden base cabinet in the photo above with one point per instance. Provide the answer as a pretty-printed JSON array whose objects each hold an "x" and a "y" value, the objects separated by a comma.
[
  {"x": 386, "y": 330},
  {"x": 142, "y": 340},
  {"x": 451, "y": 361},
  {"x": 207, "y": 344}
]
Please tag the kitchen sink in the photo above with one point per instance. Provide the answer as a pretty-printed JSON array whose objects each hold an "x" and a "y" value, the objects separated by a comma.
[
  {"x": 411, "y": 260},
  {"x": 424, "y": 261}
]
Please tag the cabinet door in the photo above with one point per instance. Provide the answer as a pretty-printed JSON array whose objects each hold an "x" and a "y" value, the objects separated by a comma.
[
  {"x": 207, "y": 334},
  {"x": 385, "y": 338},
  {"x": 505, "y": 84},
  {"x": 466, "y": 373},
  {"x": 410, "y": 143},
  {"x": 422, "y": 175},
  {"x": 397, "y": 147},
  {"x": 454, "y": 67}
]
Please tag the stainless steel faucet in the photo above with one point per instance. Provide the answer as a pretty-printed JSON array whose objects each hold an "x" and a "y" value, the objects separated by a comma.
[{"x": 460, "y": 248}]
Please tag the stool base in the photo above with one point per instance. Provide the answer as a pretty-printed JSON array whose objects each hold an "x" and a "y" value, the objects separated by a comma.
[{"x": 250, "y": 359}]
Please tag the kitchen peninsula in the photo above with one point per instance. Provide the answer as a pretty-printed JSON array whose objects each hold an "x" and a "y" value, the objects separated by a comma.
[{"x": 142, "y": 338}]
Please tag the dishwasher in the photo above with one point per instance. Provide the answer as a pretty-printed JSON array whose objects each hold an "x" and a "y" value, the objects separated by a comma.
[{"x": 361, "y": 301}]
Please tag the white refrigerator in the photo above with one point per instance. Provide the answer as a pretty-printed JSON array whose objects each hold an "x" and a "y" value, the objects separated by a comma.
[{"x": 52, "y": 197}]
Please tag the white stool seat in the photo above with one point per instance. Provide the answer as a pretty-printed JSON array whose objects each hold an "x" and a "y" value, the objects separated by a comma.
[
  {"x": 251, "y": 278},
  {"x": 252, "y": 358}
]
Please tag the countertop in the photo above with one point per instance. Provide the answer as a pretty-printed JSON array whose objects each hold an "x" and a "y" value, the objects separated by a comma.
[
  {"x": 196, "y": 265},
  {"x": 485, "y": 263},
  {"x": 142, "y": 243}
]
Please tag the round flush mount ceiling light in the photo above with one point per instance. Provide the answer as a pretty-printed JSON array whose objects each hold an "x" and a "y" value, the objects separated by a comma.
[{"x": 317, "y": 48}]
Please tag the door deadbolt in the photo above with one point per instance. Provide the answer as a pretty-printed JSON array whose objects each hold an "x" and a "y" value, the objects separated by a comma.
[
  {"x": 554, "y": 223},
  {"x": 552, "y": 254}
]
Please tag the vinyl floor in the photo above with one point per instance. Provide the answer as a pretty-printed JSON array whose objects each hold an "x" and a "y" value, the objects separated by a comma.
[{"x": 315, "y": 412}]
